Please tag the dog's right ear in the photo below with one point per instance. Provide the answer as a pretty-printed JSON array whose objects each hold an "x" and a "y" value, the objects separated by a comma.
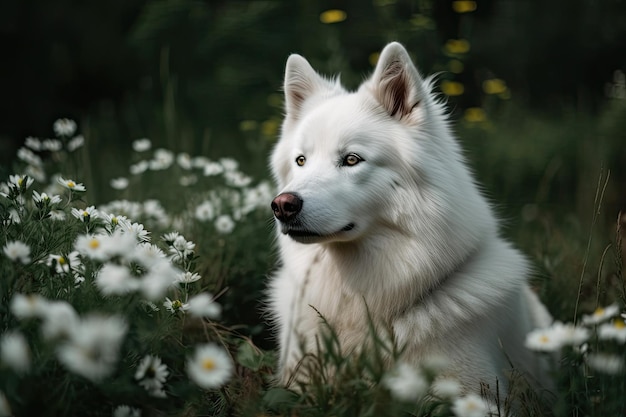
[{"x": 301, "y": 83}]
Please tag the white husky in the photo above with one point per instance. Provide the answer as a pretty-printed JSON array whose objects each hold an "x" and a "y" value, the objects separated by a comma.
[{"x": 379, "y": 219}]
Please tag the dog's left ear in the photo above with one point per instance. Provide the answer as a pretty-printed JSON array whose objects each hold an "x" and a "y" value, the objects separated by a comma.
[{"x": 396, "y": 83}]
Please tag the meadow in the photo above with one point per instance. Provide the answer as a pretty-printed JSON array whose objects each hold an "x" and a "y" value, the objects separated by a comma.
[{"x": 136, "y": 243}]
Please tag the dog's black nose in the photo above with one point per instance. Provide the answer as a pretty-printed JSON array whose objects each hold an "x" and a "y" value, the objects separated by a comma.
[{"x": 286, "y": 206}]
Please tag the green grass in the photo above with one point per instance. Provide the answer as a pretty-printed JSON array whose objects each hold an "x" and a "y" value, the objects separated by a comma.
[{"x": 553, "y": 201}]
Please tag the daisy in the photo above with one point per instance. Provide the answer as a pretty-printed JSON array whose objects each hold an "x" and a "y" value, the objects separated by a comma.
[
  {"x": 70, "y": 184},
  {"x": 142, "y": 145},
  {"x": 446, "y": 388},
  {"x": 570, "y": 334},
  {"x": 613, "y": 331},
  {"x": 606, "y": 363},
  {"x": 229, "y": 164},
  {"x": 33, "y": 143},
  {"x": 205, "y": 211},
  {"x": 93, "y": 247},
  {"x": 159, "y": 277},
  {"x": 28, "y": 306},
  {"x": 126, "y": 411},
  {"x": 14, "y": 352},
  {"x": 121, "y": 244},
  {"x": 151, "y": 374},
  {"x": 169, "y": 238},
  {"x": 147, "y": 254},
  {"x": 203, "y": 305},
  {"x": 59, "y": 320},
  {"x": 17, "y": 251},
  {"x": 44, "y": 200},
  {"x": 187, "y": 180},
  {"x": 470, "y": 406},
  {"x": 161, "y": 160},
  {"x": 174, "y": 305},
  {"x": 224, "y": 224},
  {"x": 29, "y": 157},
  {"x": 113, "y": 279},
  {"x": 139, "y": 168},
  {"x": 187, "y": 277},
  {"x": 405, "y": 382},
  {"x": 52, "y": 145},
  {"x": 113, "y": 221},
  {"x": 184, "y": 161},
  {"x": 20, "y": 182},
  {"x": 181, "y": 249},
  {"x": 75, "y": 143},
  {"x": 601, "y": 314},
  {"x": 92, "y": 349},
  {"x": 212, "y": 168},
  {"x": 85, "y": 215},
  {"x": 210, "y": 366},
  {"x": 64, "y": 127},
  {"x": 63, "y": 264},
  {"x": 544, "y": 340},
  {"x": 120, "y": 183},
  {"x": 237, "y": 179},
  {"x": 138, "y": 231}
]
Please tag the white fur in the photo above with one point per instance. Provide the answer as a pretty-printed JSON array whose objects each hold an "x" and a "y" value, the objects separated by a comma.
[{"x": 424, "y": 257}]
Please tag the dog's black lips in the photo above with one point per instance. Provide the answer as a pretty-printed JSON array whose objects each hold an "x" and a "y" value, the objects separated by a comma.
[{"x": 296, "y": 232}]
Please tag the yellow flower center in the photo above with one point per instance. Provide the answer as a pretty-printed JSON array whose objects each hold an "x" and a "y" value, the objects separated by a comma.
[
  {"x": 85, "y": 213},
  {"x": 61, "y": 260},
  {"x": 208, "y": 364},
  {"x": 20, "y": 181},
  {"x": 71, "y": 184},
  {"x": 113, "y": 220},
  {"x": 176, "y": 304},
  {"x": 94, "y": 243},
  {"x": 599, "y": 312},
  {"x": 544, "y": 339},
  {"x": 619, "y": 324}
]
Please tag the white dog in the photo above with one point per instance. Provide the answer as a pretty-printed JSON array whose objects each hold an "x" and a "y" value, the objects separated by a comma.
[{"x": 380, "y": 220}]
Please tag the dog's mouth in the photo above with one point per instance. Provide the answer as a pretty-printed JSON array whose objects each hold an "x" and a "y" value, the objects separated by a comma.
[{"x": 305, "y": 235}]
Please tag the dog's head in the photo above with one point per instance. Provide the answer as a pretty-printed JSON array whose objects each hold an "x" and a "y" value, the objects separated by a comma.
[{"x": 349, "y": 161}]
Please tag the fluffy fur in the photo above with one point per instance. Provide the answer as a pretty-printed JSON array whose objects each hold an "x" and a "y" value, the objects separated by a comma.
[{"x": 378, "y": 216}]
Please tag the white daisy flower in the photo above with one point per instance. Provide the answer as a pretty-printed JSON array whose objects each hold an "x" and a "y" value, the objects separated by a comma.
[
  {"x": 210, "y": 366},
  {"x": 20, "y": 182},
  {"x": 199, "y": 161},
  {"x": 45, "y": 200},
  {"x": 446, "y": 388},
  {"x": 162, "y": 159},
  {"x": 33, "y": 143},
  {"x": 203, "y": 305},
  {"x": 71, "y": 184},
  {"x": 52, "y": 145},
  {"x": 126, "y": 411},
  {"x": 85, "y": 215},
  {"x": 181, "y": 249},
  {"x": 159, "y": 277},
  {"x": 75, "y": 143},
  {"x": 17, "y": 251},
  {"x": 224, "y": 224},
  {"x": 601, "y": 314},
  {"x": 606, "y": 363},
  {"x": 471, "y": 405},
  {"x": 229, "y": 164},
  {"x": 57, "y": 215},
  {"x": 113, "y": 279},
  {"x": 138, "y": 231},
  {"x": 28, "y": 306},
  {"x": 405, "y": 382},
  {"x": 92, "y": 349},
  {"x": 64, "y": 127},
  {"x": 613, "y": 331},
  {"x": 93, "y": 246},
  {"x": 122, "y": 244},
  {"x": 120, "y": 183},
  {"x": 151, "y": 374},
  {"x": 212, "y": 168},
  {"x": 174, "y": 305},
  {"x": 29, "y": 157},
  {"x": 147, "y": 254},
  {"x": 114, "y": 221},
  {"x": 184, "y": 161},
  {"x": 187, "y": 180},
  {"x": 544, "y": 340},
  {"x": 205, "y": 211},
  {"x": 139, "y": 168},
  {"x": 237, "y": 179},
  {"x": 14, "y": 352},
  {"x": 169, "y": 238},
  {"x": 142, "y": 145},
  {"x": 63, "y": 264},
  {"x": 59, "y": 320},
  {"x": 187, "y": 277},
  {"x": 570, "y": 334}
]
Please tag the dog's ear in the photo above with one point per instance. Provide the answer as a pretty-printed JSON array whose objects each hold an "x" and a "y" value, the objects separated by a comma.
[
  {"x": 396, "y": 83},
  {"x": 301, "y": 83}
]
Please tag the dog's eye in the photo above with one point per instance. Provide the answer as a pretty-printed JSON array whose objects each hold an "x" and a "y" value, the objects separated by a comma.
[
  {"x": 351, "y": 159},
  {"x": 300, "y": 160}
]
